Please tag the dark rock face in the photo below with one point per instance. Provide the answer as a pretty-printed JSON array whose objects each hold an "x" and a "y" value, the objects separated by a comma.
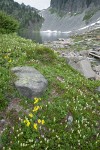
[
  {"x": 31, "y": 83},
  {"x": 73, "y": 5}
]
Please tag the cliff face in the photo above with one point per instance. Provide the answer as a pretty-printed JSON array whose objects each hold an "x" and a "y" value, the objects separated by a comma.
[
  {"x": 70, "y": 15},
  {"x": 73, "y": 5}
]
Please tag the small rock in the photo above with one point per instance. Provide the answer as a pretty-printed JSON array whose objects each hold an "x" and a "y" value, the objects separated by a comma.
[
  {"x": 2, "y": 122},
  {"x": 85, "y": 52},
  {"x": 96, "y": 48},
  {"x": 66, "y": 46},
  {"x": 97, "y": 68},
  {"x": 98, "y": 89},
  {"x": 70, "y": 119},
  {"x": 60, "y": 39},
  {"x": 97, "y": 77}
]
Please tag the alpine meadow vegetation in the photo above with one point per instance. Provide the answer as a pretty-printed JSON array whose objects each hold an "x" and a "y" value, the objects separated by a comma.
[{"x": 65, "y": 117}]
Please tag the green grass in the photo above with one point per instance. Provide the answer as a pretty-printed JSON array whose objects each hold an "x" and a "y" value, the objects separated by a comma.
[{"x": 68, "y": 92}]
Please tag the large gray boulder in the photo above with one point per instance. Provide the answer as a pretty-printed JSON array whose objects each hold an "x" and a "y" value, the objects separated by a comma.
[
  {"x": 82, "y": 65},
  {"x": 30, "y": 83},
  {"x": 86, "y": 69}
]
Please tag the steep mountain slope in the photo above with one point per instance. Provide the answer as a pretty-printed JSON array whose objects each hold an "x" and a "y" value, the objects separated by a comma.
[
  {"x": 73, "y": 5},
  {"x": 26, "y": 15},
  {"x": 71, "y": 15}
]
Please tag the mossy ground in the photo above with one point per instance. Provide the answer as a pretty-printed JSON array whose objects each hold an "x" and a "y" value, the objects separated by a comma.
[{"x": 68, "y": 93}]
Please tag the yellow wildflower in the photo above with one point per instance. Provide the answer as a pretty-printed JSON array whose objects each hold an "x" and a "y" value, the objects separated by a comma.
[
  {"x": 42, "y": 121},
  {"x": 35, "y": 126},
  {"x": 31, "y": 115},
  {"x": 27, "y": 122},
  {"x": 10, "y": 61},
  {"x": 39, "y": 121},
  {"x": 6, "y": 56},
  {"x": 36, "y": 108},
  {"x": 36, "y": 100}
]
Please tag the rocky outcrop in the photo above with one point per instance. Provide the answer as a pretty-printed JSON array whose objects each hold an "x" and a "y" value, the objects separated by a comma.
[
  {"x": 82, "y": 61},
  {"x": 71, "y": 16},
  {"x": 82, "y": 64},
  {"x": 73, "y": 5},
  {"x": 30, "y": 83},
  {"x": 70, "y": 24}
]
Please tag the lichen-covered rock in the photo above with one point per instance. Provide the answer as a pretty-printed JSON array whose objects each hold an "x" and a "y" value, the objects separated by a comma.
[{"x": 30, "y": 83}]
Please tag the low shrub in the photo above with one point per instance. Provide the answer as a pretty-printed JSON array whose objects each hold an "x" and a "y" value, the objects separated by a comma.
[
  {"x": 43, "y": 54},
  {"x": 7, "y": 23}
]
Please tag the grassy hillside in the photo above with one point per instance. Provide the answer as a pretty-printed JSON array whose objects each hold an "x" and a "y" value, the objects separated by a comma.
[{"x": 68, "y": 94}]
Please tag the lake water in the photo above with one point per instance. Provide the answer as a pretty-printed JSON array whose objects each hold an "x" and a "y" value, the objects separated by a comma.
[{"x": 44, "y": 36}]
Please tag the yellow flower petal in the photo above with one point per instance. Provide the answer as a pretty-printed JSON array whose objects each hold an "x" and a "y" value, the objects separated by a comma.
[
  {"x": 36, "y": 108},
  {"x": 42, "y": 121},
  {"x": 39, "y": 121},
  {"x": 31, "y": 115},
  {"x": 10, "y": 61},
  {"x": 6, "y": 57},
  {"x": 28, "y": 124},
  {"x": 35, "y": 126},
  {"x": 26, "y": 121},
  {"x": 36, "y": 100}
]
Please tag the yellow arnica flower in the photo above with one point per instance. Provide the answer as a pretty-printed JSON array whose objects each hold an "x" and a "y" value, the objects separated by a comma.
[
  {"x": 31, "y": 115},
  {"x": 36, "y": 100},
  {"x": 36, "y": 108},
  {"x": 6, "y": 57},
  {"x": 42, "y": 121},
  {"x": 39, "y": 121},
  {"x": 35, "y": 126},
  {"x": 27, "y": 123},
  {"x": 10, "y": 61}
]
